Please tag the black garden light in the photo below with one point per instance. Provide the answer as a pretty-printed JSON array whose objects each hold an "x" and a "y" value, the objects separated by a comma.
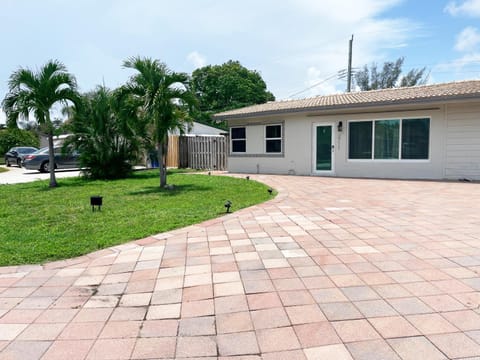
[
  {"x": 270, "y": 190},
  {"x": 96, "y": 201},
  {"x": 248, "y": 178},
  {"x": 228, "y": 205}
]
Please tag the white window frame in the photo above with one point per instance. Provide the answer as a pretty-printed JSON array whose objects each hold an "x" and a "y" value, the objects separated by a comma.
[{"x": 276, "y": 138}]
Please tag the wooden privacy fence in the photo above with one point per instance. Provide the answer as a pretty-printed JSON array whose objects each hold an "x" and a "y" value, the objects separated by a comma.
[{"x": 197, "y": 152}]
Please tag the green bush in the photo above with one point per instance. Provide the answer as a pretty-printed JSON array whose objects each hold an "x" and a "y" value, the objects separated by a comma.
[{"x": 16, "y": 137}]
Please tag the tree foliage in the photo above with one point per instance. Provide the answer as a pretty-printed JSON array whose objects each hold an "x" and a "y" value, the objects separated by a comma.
[
  {"x": 105, "y": 133},
  {"x": 11, "y": 137},
  {"x": 37, "y": 93},
  {"x": 370, "y": 78},
  {"x": 228, "y": 86},
  {"x": 165, "y": 99}
]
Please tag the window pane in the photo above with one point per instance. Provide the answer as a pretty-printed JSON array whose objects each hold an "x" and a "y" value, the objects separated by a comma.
[
  {"x": 239, "y": 145},
  {"x": 273, "y": 131},
  {"x": 360, "y": 140},
  {"x": 238, "y": 133},
  {"x": 386, "y": 139},
  {"x": 274, "y": 146},
  {"x": 415, "y": 138}
]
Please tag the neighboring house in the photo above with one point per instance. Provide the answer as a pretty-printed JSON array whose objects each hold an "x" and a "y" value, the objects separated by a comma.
[
  {"x": 199, "y": 129},
  {"x": 57, "y": 140},
  {"x": 422, "y": 132}
]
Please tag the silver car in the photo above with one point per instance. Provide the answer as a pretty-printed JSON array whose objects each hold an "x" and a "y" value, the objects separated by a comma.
[{"x": 39, "y": 160}]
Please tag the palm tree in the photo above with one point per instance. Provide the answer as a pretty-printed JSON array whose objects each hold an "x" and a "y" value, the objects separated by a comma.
[
  {"x": 36, "y": 93},
  {"x": 104, "y": 126},
  {"x": 166, "y": 101}
]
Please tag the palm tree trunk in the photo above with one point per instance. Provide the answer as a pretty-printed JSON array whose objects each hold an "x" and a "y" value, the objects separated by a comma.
[
  {"x": 163, "y": 170},
  {"x": 51, "y": 160}
]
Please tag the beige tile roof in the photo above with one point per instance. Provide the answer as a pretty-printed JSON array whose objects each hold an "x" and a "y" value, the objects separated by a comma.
[{"x": 416, "y": 94}]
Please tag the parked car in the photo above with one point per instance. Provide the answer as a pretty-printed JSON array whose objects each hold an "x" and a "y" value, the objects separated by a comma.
[
  {"x": 16, "y": 154},
  {"x": 39, "y": 160}
]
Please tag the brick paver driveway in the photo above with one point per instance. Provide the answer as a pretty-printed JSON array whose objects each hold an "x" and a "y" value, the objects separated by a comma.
[{"x": 330, "y": 269}]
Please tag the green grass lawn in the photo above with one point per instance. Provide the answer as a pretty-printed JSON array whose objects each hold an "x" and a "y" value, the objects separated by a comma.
[
  {"x": 40, "y": 224},
  {"x": 2, "y": 169}
]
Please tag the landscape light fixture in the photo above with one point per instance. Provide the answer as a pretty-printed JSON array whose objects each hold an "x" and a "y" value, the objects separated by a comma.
[
  {"x": 248, "y": 178},
  {"x": 270, "y": 191},
  {"x": 228, "y": 205},
  {"x": 96, "y": 201}
]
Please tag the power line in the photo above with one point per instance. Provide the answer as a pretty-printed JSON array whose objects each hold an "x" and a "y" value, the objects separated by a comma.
[{"x": 315, "y": 85}]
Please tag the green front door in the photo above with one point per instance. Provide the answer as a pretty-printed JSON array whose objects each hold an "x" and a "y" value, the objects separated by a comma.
[{"x": 323, "y": 159}]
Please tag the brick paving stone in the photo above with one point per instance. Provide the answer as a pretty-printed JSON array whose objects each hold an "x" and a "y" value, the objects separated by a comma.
[
  {"x": 413, "y": 348},
  {"x": 111, "y": 349},
  {"x": 81, "y": 331},
  {"x": 263, "y": 301},
  {"x": 374, "y": 308},
  {"x": 372, "y": 350},
  {"x": 340, "y": 311},
  {"x": 42, "y": 331},
  {"x": 393, "y": 327},
  {"x": 455, "y": 345},
  {"x": 464, "y": 320},
  {"x": 298, "y": 297},
  {"x": 198, "y": 346},
  {"x": 11, "y": 331},
  {"x": 278, "y": 339},
  {"x": 31, "y": 350},
  {"x": 170, "y": 311},
  {"x": 244, "y": 343},
  {"x": 270, "y": 318},
  {"x": 234, "y": 322},
  {"x": 336, "y": 351},
  {"x": 159, "y": 328},
  {"x": 303, "y": 314},
  {"x": 154, "y": 348},
  {"x": 68, "y": 349},
  {"x": 197, "y": 308},
  {"x": 197, "y": 326},
  {"x": 120, "y": 329},
  {"x": 316, "y": 334},
  {"x": 229, "y": 304},
  {"x": 355, "y": 330},
  {"x": 431, "y": 324}
]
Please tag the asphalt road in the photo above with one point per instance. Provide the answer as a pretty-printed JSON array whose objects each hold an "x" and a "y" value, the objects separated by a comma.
[{"x": 16, "y": 175}]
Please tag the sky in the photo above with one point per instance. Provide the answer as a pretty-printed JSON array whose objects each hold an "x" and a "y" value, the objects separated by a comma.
[{"x": 294, "y": 44}]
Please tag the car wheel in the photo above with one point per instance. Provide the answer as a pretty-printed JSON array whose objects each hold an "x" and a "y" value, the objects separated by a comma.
[
  {"x": 44, "y": 167},
  {"x": 19, "y": 162},
  {"x": 6, "y": 162}
]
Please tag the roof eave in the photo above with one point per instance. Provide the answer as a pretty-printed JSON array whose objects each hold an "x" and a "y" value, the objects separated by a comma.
[{"x": 317, "y": 109}]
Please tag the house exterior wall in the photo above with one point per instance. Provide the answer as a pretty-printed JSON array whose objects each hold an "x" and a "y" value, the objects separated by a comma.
[
  {"x": 463, "y": 142},
  {"x": 454, "y": 145}
]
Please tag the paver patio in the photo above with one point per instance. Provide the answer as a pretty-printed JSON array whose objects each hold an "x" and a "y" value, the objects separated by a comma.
[{"x": 329, "y": 269}]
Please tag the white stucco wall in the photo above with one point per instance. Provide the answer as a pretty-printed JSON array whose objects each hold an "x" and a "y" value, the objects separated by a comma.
[
  {"x": 462, "y": 158},
  {"x": 454, "y": 150}
]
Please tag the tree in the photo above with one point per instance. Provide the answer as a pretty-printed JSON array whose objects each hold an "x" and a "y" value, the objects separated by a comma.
[
  {"x": 372, "y": 79},
  {"x": 166, "y": 101},
  {"x": 104, "y": 132},
  {"x": 228, "y": 86},
  {"x": 37, "y": 93},
  {"x": 10, "y": 137}
]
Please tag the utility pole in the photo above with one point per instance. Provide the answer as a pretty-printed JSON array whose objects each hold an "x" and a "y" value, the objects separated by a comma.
[{"x": 349, "y": 71}]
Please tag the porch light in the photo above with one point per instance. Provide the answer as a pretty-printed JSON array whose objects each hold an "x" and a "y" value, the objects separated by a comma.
[
  {"x": 96, "y": 201},
  {"x": 228, "y": 205},
  {"x": 340, "y": 126}
]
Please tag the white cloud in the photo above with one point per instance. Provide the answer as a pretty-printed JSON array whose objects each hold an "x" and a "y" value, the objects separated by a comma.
[
  {"x": 197, "y": 59},
  {"x": 466, "y": 8},
  {"x": 468, "y": 39}
]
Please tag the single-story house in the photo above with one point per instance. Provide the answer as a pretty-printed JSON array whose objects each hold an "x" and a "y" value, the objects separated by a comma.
[{"x": 420, "y": 132}]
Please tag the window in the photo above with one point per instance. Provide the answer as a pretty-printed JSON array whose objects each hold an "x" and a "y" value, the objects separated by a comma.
[
  {"x": 415, "y": 136},
  {"x": 406, "y": 139},
  {"x": 360, "y": 140},
  {"x": 239, "y": 140},
  {"x": 386, "y": 139},
  {"x": 273, "y": 138}
]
